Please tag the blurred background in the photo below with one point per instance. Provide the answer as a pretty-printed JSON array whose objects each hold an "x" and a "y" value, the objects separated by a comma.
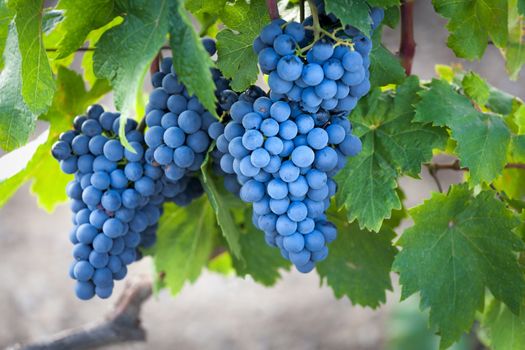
[{"x": 217, "y": 312}]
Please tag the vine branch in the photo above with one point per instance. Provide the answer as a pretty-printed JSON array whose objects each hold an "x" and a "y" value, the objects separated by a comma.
[
  {"x": 456, "y": 166},
  {"x": 121, "y": 325},
  {"x": 273, "y": 10},
  {"x": 84, "y": 49},
  {"x": 407, "y": 47}
]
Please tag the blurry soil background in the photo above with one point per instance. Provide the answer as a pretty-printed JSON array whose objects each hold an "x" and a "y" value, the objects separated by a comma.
[{"x": 217, "y": 312}]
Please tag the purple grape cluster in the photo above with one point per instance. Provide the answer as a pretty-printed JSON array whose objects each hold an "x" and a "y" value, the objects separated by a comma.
[
  {"x": 284, "y": 159},
  {"x": 322, "y": 75},
  {"x": 110, "y": 198}
]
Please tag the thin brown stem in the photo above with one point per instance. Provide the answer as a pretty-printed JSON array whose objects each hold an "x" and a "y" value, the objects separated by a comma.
[
  {"x": 84, "y": 49},
  {"x": 433, "y": 173},
  {"x": 301, "y": 10},
  {"x": 407, "y": 47},
  {"x": 273, "y": 10},
  {"x": 456, "y": 166}
]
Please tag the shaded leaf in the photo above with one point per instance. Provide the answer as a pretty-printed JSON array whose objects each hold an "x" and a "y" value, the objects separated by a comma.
[
  {"x": 460, "y": 245},
  {"x": 184, "y": 243}
]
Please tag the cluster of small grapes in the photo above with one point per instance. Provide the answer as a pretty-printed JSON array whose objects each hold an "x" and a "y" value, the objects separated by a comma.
[
  {"x": 330, "y": 74},
  {"x": 111, "y": 198},
  {"x": 284, "y": 159},
  {"x": 177, "y": 134}
]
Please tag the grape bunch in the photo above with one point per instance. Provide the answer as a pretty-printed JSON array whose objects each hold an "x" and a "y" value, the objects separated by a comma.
[
  {"x": 177, "y": 134},
  {"x": 284, "y": 159},
  {"x": 110, "y": 199},
  {"x": 330, "y": 74}
]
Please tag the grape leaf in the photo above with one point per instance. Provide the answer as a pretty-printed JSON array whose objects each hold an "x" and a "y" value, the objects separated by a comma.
[
  {"x": 212, "y": 8},
  {"x": 505, "y": 330},
  {"x": 38, "y": 85},
  {"x": 260, "y": 261},
  {"x": 472, "y": 23},
  {"x": 392, "y": 15},
  {"x": 190, "y": 60},
  {"x": 385, "y": 67},
  {"x": 460, "y": 245},
  {"x": 219, "y": 201},
  {"x": 392, "y": 145},
  {"x": 236, "y": 58},
  {"x": 184, "y": 243},
  {"x": 514, "y": 51},
  {"x": 359, "y": 263},
  {"x": 476, "y": 88},
  {"x": 482, "y": 139},
  {"x": 125, "y": 51},
  {"x": 500, "y": 102},
  {"x": 48, "y": 180},
  {"x": 16, "y": 120},
  {"x": 6, "y": 16},
  {"x": 80, "y": 18},
  {"x": 512, "y": 181},
  {"x": 351, "y": 12}
]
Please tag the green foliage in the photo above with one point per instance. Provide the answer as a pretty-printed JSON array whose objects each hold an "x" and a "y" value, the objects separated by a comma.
[
  {"x": 505, "y": 329},
  {"x": 459, "y": 245},
  {"x": 352, "y": 12},
  {"x": 190, "y": 60},
  {"x": 358, "y": 266},
  {"x": 124, "y": 52},
  {"x": 81, "y": 18},
  {"x": 184, "y": 243},
  {"x": 222, "y": 203},
  {"x": 482, "y": 138},
  {"x": 393, "y": 145},
  {"x": 38, "y": 85},
  {"x": 237, "y": 60},
  {"x": 16, "y": 120}
]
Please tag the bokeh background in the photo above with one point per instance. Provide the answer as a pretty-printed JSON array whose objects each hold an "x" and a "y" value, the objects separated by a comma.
[{"x": 218, "y": 312}]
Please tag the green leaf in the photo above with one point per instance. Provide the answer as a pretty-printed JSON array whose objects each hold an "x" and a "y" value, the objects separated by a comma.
[
  {"x": 514, "y": 51},
  {"x": 80, "y": 18},
  {"x": 392, "y": 145},
  {"x": 476, "y": 88},
  {"x": 460, "y": 245},
  {"x": 482, "y": 139},
  {"x": 17, "y": 122},
  {"x": 184, "y": 243},
  {"x": 220, "y": 201},
  {"x": 190, "y": 60},
  {"x": 38, "y": 85},
  {"x": 213, "y": 8},
  {"x": 512, "y": 181},
  {"x": 49, "y": 181},
  {"x": 236, "y": 58},
  {"x": 351, "y": 12},
  {"x": 262, "y": 262},
  {"x": 6, "y": 15},
  {"x": 385, "y": 67},
  {"x": 392, "y": 15},
  {"x": 472, "y": 23},
  {"x": 506, "y": 331},
  {"x": 125, "y": 51},
  {"x": 358, "y": 265},
  {"x": 500, "y": 102}
]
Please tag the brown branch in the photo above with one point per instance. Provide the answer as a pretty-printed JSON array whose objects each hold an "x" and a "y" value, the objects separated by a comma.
[
  {"x": 121, "y": 325},
  {"x": 84, "y": 49},
  {"x": 273, "y": 10},
  {"x": 407, "y": 47},
  {"x": 301, "y": 10},
  {"x": 456, "y": 167},
  {"x": 433, "y": 172}
]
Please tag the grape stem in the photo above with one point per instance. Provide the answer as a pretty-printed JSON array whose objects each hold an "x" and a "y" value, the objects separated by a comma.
[
  {"x": 301, "y": 10},
  {"x": 273, "y": 10},
  {"x": 315, "y": 16},
  {"x": 407, "y": 46}
]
